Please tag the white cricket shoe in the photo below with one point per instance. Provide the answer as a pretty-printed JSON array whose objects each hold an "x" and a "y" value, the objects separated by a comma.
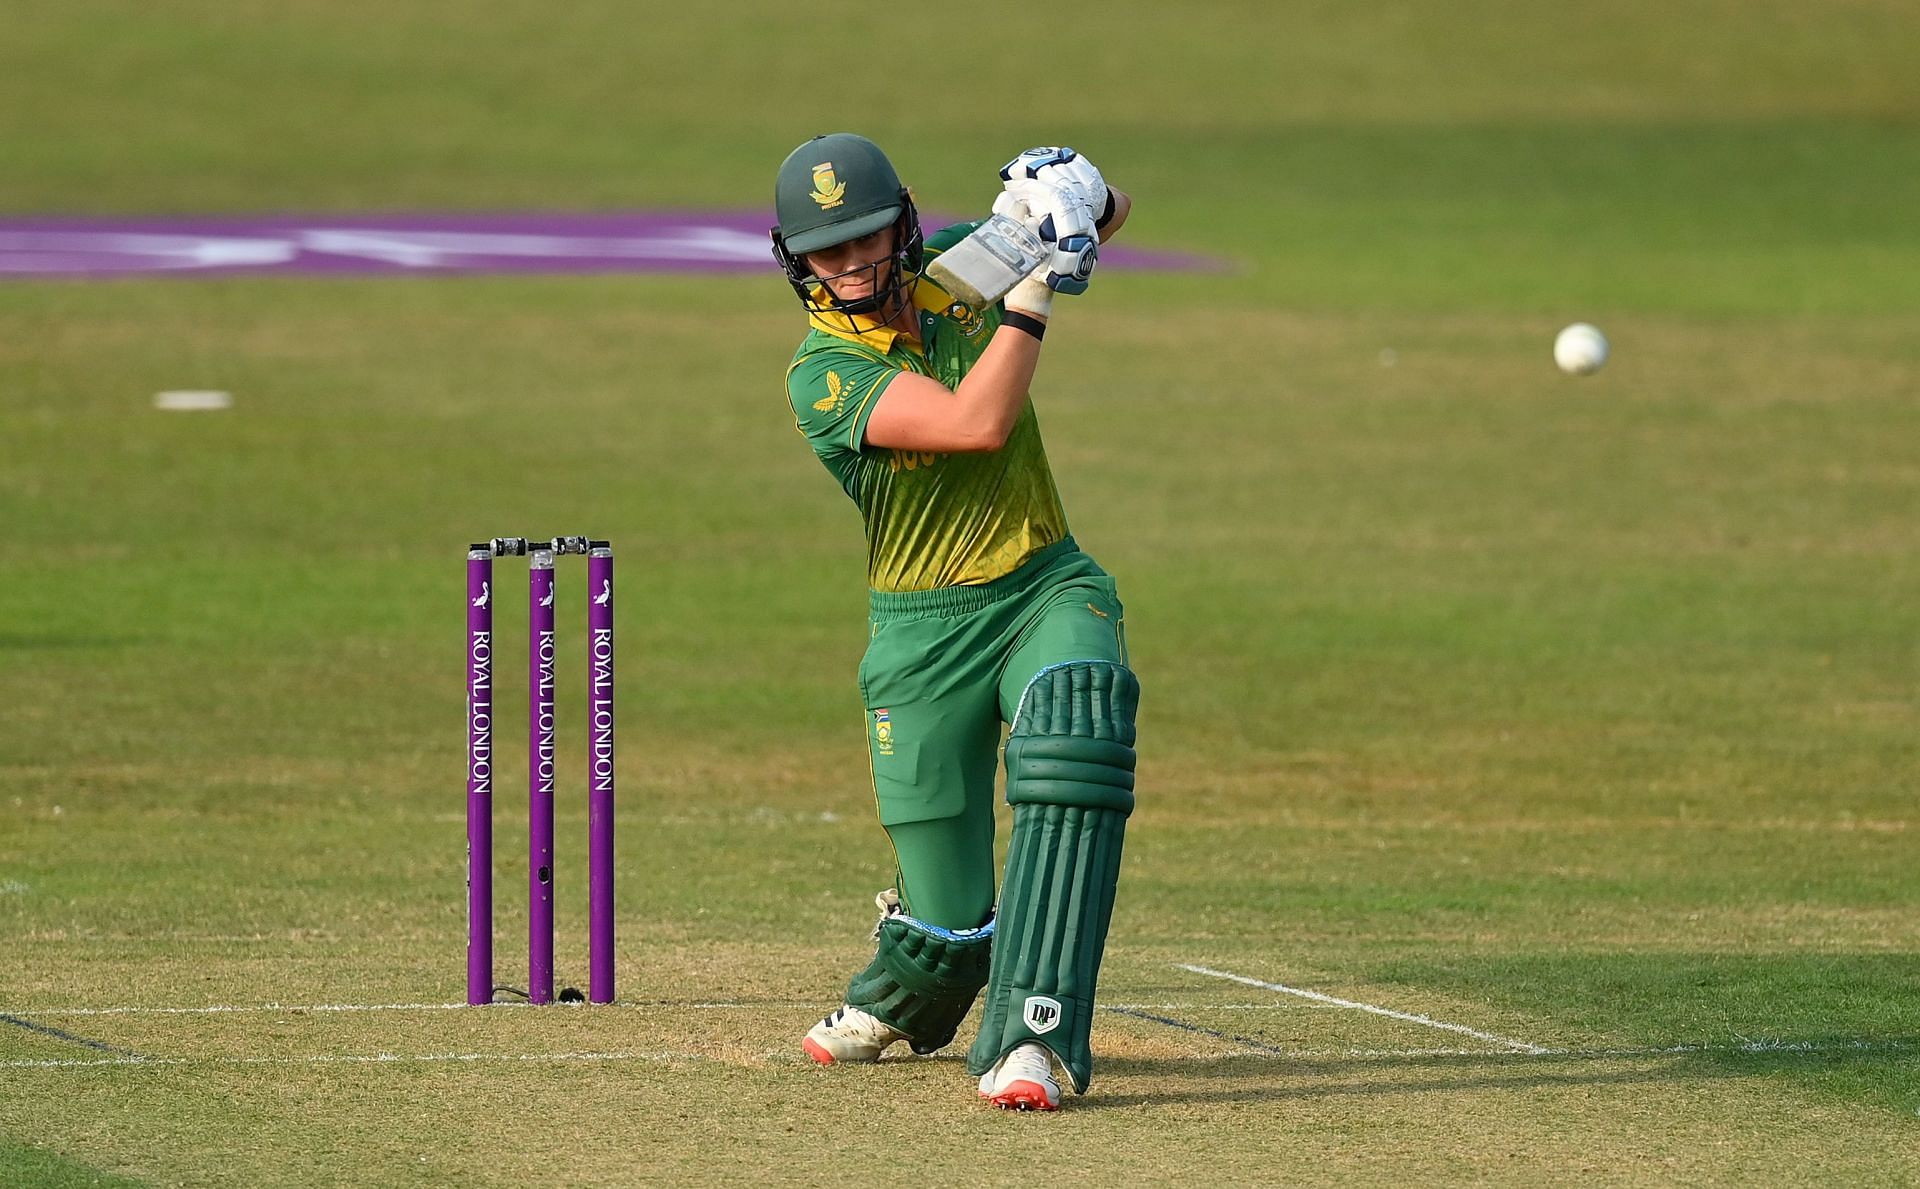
[
  {"x": 1022, "y": 1080},
  {"x": 850, "y": 1034}
]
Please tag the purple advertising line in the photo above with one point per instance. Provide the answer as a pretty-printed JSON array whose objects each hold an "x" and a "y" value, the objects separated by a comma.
[
  {"x": 479, "y": 774},
  {"x": 600, "y": 771},
  {"x": 540, "y": 775},
  {"x": 426, "y": 243}
]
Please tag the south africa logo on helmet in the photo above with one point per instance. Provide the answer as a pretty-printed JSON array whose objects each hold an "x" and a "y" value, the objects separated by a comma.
[{"x": 827, "y": 191}]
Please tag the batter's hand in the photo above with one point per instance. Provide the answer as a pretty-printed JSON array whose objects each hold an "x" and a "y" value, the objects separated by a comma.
[
  {"x": 1064, "y": 168},
  {"x": 1032, "y": 295},
  {"x": 1057, "y": 213}
]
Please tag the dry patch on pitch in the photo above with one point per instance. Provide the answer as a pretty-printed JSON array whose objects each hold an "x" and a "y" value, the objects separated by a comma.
[
  {"x": 1237, "y": 1076},
  {"x": 1227, "y": 1085}
]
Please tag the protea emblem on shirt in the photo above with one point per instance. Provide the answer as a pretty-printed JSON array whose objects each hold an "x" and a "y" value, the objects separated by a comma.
[
  {"x": 827, "y": 191},
  {"x": 836, "y": 392},
  {"x": 967, "y": 318}
]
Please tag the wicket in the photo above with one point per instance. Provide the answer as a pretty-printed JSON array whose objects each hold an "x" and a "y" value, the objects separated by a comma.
[{"x": 541, "y": 650}]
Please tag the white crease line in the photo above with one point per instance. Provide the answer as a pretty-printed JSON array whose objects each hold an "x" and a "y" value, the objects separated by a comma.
[
  {"x": 1748, "y": 1048},
  {"x": 1269, "y": 1005},
  {"x": 1519, "y": 1046},
  {"x": 214, "y": 1009},
  {"x": 356, "y": 1059},
  {"x": 237, "y": 1008},
  {"x": 668, "y": 1057}
]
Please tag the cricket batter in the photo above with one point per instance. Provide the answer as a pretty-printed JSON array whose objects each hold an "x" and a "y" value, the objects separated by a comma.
[{"x": 983, "y": 611}]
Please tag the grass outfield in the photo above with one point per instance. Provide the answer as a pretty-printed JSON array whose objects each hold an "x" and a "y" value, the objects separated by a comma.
[{"x": 1571, "y": 722}]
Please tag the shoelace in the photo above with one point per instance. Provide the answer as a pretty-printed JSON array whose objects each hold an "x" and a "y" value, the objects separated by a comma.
[{"x": 888, "y": 902}]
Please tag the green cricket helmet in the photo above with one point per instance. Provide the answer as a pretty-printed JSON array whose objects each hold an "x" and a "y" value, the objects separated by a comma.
[{"x": 835, "y": 188}]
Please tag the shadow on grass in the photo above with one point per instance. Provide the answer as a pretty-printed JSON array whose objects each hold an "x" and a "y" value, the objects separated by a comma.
[
  {"x": 1300, "y": 1078},
  {"x": 1845, "y": 1023},
  {"x": 24, "y": 1164}
]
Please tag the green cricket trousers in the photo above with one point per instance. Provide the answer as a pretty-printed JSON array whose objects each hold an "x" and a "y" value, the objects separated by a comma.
[{"x": 943, "y": 672}]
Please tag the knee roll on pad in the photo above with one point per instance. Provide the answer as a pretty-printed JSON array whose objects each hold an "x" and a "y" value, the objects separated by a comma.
[
  {"x": 923, "y": 979},
  {"x": 1070, "y": 764}
]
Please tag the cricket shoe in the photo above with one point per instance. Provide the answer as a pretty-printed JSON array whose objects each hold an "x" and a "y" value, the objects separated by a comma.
[
  {"x": 1022, "y": 1080},
  {"x": 850, "y": 1034}
]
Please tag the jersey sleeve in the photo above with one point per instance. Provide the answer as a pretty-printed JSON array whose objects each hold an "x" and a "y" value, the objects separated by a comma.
[
  {"x": 832, "y": 393},
  {"x": 950, "y": 235}
]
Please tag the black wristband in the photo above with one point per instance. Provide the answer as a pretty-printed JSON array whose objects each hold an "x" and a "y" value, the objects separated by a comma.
[
  {"x": 1106, "y": 216},
  {"x": 1026, "y": 322}
]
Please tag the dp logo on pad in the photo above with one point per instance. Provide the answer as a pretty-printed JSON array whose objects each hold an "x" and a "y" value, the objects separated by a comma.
[{"x": 1042, "y": 1014}]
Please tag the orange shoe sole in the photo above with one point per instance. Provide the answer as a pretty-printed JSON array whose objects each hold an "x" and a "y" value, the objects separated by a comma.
[
  {"x": 817, "y": 1051},
  {"x": 1022, "y": 1096}
]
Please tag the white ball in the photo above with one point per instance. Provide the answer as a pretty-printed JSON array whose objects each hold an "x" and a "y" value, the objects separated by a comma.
[{"x": 1580, "y": 349}]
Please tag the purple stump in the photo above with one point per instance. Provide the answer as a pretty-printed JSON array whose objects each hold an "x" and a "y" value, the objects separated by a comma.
[
  {"x": 479, "y": 774},
  {"x": 540, "y": 718},
  {"x": 600, "y": 771}
]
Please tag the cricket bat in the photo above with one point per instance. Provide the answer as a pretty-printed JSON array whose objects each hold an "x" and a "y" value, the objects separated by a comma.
[{"x": 984, "y": 267}]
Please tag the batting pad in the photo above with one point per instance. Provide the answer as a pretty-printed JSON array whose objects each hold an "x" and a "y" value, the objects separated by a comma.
[
  {"x": 923, "y": 979},
  {"x": 1070, "y": 764}
]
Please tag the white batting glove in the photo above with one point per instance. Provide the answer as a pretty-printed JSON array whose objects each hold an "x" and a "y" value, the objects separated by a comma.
[
  {"x": 1057, "y": 213},
  {"x": 1027, "y": 204},
  {"x": 1032, "y": 294},
  {"x": 1064, "y": 168},
  {"x": 1019, "y": 204}
]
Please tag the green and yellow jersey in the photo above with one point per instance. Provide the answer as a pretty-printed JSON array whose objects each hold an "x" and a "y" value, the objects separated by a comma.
[{"x": 932, "y": 520}]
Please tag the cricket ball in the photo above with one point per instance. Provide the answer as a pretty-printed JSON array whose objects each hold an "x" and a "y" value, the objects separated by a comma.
[{"x": 1580, "y": 349}]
